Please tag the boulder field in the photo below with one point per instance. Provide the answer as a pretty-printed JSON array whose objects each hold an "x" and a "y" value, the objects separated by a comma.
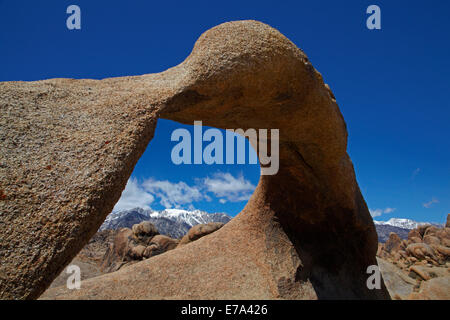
[{"x": 422, "y": 260}]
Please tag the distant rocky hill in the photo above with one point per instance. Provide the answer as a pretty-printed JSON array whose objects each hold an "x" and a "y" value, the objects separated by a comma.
[
  {"x": 174, "y": 223},
  {"x": 384, "y": 231},
  {"x": 399, "y": 226}
]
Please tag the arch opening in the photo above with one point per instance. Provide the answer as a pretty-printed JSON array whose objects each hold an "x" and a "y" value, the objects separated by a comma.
[
  {"x": 193, "y": 161},
  {"x": 173, "y": 196}
]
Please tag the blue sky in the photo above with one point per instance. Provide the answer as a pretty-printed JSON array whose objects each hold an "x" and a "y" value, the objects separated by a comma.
[{"x": 391, "y": 85}]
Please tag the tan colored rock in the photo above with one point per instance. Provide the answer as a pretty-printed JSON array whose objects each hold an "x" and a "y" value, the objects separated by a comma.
[
  {"x": 420, "y": 272},
  {"x": 130, "y": 245},
  {"x": 121, "y": 242},
  {"x": 413, "y": 235},
  {"x": 164, "y": 243},
  {"x": 434, "y": 289},
  {"x": 445, "y": 242},
  {"x": 420, "y": 250},
  {"x": 428, "y": 244},
  {"x": 396, "y": 256},
  {"x": 393, "y": 244},
  {"x": 431, "y": 231},
  {"x": 398, "y": 283},
  {"x": 447, "y": 224},
  {"x": 144, "y": 231},
  {"x": 137, "y": 252},
  {"x": 422, "y": 229},
  {"x": 444, "y": 236},
  {"x": 199, "y": 231},
  {"x": 403, "y": 254},
  {"x": 118, "y": 252},
  {"x": 69, "y": 146},
  {"x": 443, "y": 250},
  {"x": 430, "y": 240},
  {"x": 380, "y": 249},
  {"x": 151, "y": 250},
  {"x": 414, "y": 240},
  {"x": 412, "y": 259}
]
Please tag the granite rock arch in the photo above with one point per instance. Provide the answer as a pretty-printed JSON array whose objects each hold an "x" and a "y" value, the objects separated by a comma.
[{"x": 69, "y": 146}]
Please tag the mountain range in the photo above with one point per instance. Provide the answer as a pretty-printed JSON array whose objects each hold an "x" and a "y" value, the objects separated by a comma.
[
  {"x": 400, "y": 226},
  {"x": 174, "y": 223},
  {"x": 404, "y": 223}
]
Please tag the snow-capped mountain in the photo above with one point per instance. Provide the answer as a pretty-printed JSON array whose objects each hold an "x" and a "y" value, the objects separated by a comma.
[
  {"x": 190, "y": 217},
  {"x": 400, "y": 226},
  {"x": 404, "y": 223},
  {"x": 172, "y": 222}
]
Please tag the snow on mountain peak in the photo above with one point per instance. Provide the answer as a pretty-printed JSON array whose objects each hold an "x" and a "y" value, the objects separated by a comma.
[
  {"x": 403, "y": 223},
  {"x": 178, "y": 216}
]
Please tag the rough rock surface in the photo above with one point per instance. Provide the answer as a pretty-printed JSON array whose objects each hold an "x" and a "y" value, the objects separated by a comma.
[
  {"x": 434, "y": 289},
  {"x": 69, "y": 146},
  {"x": 99, "y": 256},
  {"x": 424, "y": 257},
  {"x": 89, "y": 258},
  {"x": 94, "y": 251},
  {"x": 398, "y": 283},
  {"x": 393, "y": 243},
  {"x": 87, "y": 270},
  {"x": 425, "y": 245},
  {"x": 199, "y": 231},
  {"x": 144, "y": 231},
  {"x": 131, "y": 245}
]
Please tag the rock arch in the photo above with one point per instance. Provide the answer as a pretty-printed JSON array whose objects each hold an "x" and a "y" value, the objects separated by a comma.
[{"x": 69, "y": 146}]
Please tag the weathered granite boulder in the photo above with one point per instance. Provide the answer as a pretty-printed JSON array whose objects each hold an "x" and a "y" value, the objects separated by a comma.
[
  {"x": 69, "y": 146},
  {"x": 131, "y": 245},
  {"x": 424, "y": 257},
  {"x": 434, "y": 289},
  {"x": 144, "y": 231},
  {"x": 393, "y": 244},
  {"x": 200, "y": 230},
  {"x": 398, "y": 283}
]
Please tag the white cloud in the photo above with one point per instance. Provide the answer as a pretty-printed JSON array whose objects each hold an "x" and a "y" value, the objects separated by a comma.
[
  {"x": 430, "y": 203},
  {"x": 415, "y": 173},
  {"x": 224, "y": 186},
  {"x": 379, "y": 212},
  {"x": 173, "y": 195},
  {"x": 229, "y": 188},
  {"x": 134, "y": 196}
]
